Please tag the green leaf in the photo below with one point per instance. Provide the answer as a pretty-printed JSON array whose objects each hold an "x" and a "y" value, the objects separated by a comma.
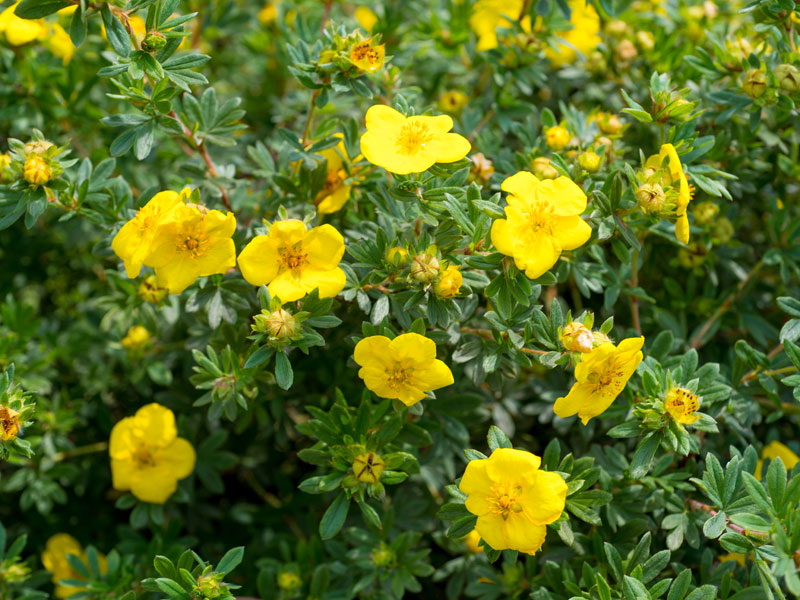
[
  {"x": 706, "y": 592},
  {"x": 231, "y": 560},
  {"x": 462, "y": 527},
  {"x": 258, "y": 357},
  {"x": 680, "y": 586},
  {"x": 715, "y": 526},
  {"x": 117, "y": 34},
  {"x": 497, "y": 438},
  {"x": 283, "y": 371},
  {"x": 334, "y": 518},
  {"x": 36, "y": 9}
]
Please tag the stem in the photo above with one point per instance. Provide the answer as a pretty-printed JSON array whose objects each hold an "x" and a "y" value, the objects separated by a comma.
[
  {"x": 326, "y": 15},
  {"x": 637, "y": 325},
  {"x": 697, "y": 341},
  {"x": 203, "y": 151},
  {"x": 754, "y": 373},
  {"x": 480, "y": 125},
  {"x": 311, "y": 108},
  {"x": 695, "y": 505},
  {"x": 79, "y": 451},
  {"x": 487, "y": 334}
]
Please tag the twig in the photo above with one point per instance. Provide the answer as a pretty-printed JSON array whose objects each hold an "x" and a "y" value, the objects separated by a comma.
[
  {"x": 697, "y": 341},
  {"x": 754, "y": 373},
  {"x": 487, "y": 334},
  {"x": 480, "y": 125}
]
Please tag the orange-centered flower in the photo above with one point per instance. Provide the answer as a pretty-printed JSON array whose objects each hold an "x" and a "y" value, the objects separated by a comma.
[
  {"x": 513, "y": 499},
  {"x": 405, "y": 145},
  {"x": 599, "y": 378}
]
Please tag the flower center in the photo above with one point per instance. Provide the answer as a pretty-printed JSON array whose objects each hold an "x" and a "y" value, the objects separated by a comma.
[
  {"x": 540, "y": 217},
  {"x": 504, "y": 499},
  {"x": 413, "y": 137},
  {"x": 398, "y": 375},
  {"x": 193, "y": 241},
  {"x": 292, "y": 258},
  {"x": 609, "y": 377},
  {"x": 142, "y": 456},
  {"x": 363, "y": 52}
]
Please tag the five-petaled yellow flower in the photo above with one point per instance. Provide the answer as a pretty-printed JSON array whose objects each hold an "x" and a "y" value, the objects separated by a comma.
[
  {"x": 134, "y": 240},
  {"x": 449, "y": 282},
  {"x": 488, "y": 15},
  {"x": 513, "y": 499},
  {"x": 682, "y": 405},
  {"x": 542, "y": 220},
  {"x": 583, "y": 37},
  {"x": 776, "y": 449},
  {"x": 403, "y": 368},
  {"x": 367, "y": 56},
  {"x": 599, "y": 378},
  {"x": 292, "y": 262},
  {"x": 54, "y": 559},
  {"x": 404, "y": 145},
  {"x": 334, "y": 193},
  {"x": 194, "y": 242},
  {"x": 147, "y": 456}
]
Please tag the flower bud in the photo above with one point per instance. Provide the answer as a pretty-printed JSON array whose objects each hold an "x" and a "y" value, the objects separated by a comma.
[
  {"x": 645, "y": 40},
  {"x": 137, "y": 339},
  {"x": 397, "y": 256},
  {"x": 472, "y": 542},
  {"x": 289, "y": 581},
  {"x": 609, "y": 123},
  {"x": 543, "y": 169},
  {"x": 616, "y": 27},
  {"x": 625, "y": 50},
  {"x": 6, "y": 174},
  {"x": 368, "y": 467},
  {"x": 481, "y": 168},
  {"x": 787, "y": 78},
  {"x": 9, "y": 423},
  {"x": 36, "y": 170},
  {"x": 453, "y": 101},
  {"x": 651, "y": 197},
  {"x": 576, "y": 337},
  {"x": 693, "y": 256},
  {"x": 153, "y": 41},
  {"x": 557, "y": 138},
  {"x": 449, "y": 283},
  {"x": 704, "y": 212},
  {"x": 37, "y": 147},
  {"x": 149, "y": 290},
  {"x": 755, "y": 83},
  {"x": 280, "y": 324},
  {"x": 597, "y": 63},
  {"x": 383, "y": 556},
  {"x": 424, "y": 268},
  {"x": 590, "y": 161},
  {"x": 721, "y": 231},
  {"x": 14, "y": 573},
  {"x": 599, "y": 338},
  {"x": 210, "y": 586}
]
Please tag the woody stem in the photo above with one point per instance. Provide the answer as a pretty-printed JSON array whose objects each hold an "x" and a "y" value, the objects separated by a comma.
[{"x": 80, "y": 451}]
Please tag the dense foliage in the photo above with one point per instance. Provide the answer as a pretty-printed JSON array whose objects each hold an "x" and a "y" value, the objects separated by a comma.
[{"x": 433, "y": 298}]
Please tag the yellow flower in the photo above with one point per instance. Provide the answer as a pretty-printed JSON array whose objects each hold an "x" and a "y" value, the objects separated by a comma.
[
  {"x": 775, "y": 450},
  {"x": 366, "y": 18},
  {"x": 367, "y": 57},
  {"x": 289, "y": 581},
  {"x": 61, "y": 44},
  {"x": 334, "y": 194},
  {"x": 449, "y": 282},
  {"x": 583, "y": 37},
  {"x": 36, "y": 170},
  {"x": 137, "y": 338},
  {"x": 542, "y": 220},
  {"x": 192, "y": 243},
  {"x": 21, "y": 31},
  {"x": 403, "y": 368},
  {"x": 453, "y": 101},
  {"x": 54, "y": 559},
  {"x": 147, "y": 456},
  {"x": 293, "y": 262},
  {"x": 268, "y": 13},
  {"x": 405, "y": 145},
  {"x": 733, "y": 556},
  {"x": 682, "y": 405},
  {"x": 149, "y": 290},
  {"x": 488, "y": 15},
  {"x": 472, "y": 541},
  {"x": 368, "y": 467},
  {"x": 9, "y": 424},
  {"x": 576, "y": 337},
  {"x": 513, "y": 499},
  {"x": 675, "y": 177},
  {"x": 557, "y": 138},
  {"x": 599, "y": 378},
  {"x": 134, "y": 240}
]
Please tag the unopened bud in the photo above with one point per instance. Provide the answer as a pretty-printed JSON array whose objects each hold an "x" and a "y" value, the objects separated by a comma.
[
  {"x": 755, "y": 83},
  {"x": 787, "y": 78},
  {"x": 153, "y": 41},
  {"x": 36, "y": 170},
  {"x": 368, "y": 467},
  {"x": 424, "y": 268},
  {"x": 609, "y": 124},
  {"x": 397, "y": 256},
  {"x": 449, "y": 283},
  {"x": 289, "y": 581},
  {"x": 590, "y": 161},
  {"x": 543, "y": 169},
  {"x": 576, "y": 337},
  {"x": 37, "y": 147},
  {"x": 651, "y": 197},
  {"x": 280, "y": 324},
  {"x": 481, "y": 168},
  {"x": 383, "y": 556},
  {"x": 136, "y": 339},
  {"x": 704, "y": 212},
  {"x": 557, "y": 138}
]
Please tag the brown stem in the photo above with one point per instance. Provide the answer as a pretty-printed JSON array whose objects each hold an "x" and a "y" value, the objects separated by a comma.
[
  {"x": 694, "y": 504},
  {"x": 750, "y": 375},
  {"x": 203, "y": 151},
  {"x": 480, "y": 125},
  {"x": 697, "y": 341},
  {"x": 487, "y": 334},
  {"x": 326, "y": 15}
]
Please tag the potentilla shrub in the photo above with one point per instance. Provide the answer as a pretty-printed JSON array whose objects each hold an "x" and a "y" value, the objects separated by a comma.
[{"x": 426, "y": 299}]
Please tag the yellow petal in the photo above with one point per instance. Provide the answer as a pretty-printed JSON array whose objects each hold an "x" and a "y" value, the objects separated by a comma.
[
  {"x": 177, "y": 274},
  {"x": 537, "y": 254},
  {"x": 520, "y": 534},
  {"x": 179, "y": 458},
  {"x": 219, "y": 224},
  {"x": 566, "y": 197},
  {"x": 682, "y": 229},
  {"x": 450, "y": 147},
  {"x": 490, "y": 526},
  {"x": 511, "y": 463},
  {"x": 153, "y": 484},
  {"x": 382, "y": 116},
  {"x": 287, "y": 287},
  {"x": 521, "y": 184},
  {"x": 501, "y": 238},
  {"x": 413, "y": 348},
  {"x": 570, "y": 404},
  {"x": 324, "y": 246},
  {"x": 544, "y": 501},
  {"x": 121, "y": 474},
  {"x": 329, "y": 281},
  {"x": 371, "y": 349},
  {"x": 159, "y": 423},
  {"x": 258, "y": 262},
  {"x": 571, "y": 232},
  {"x": 438, "y": 375},
  {"x": 220, "y": 257},
  {"x": 288, "y": 232}
]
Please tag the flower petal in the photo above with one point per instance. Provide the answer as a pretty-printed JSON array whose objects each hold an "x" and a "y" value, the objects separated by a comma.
[
  {"x": 571, "y": 232},
  {"x": 258, "y": 262},
  {"x": 511, "y": 464},
  {"x": 566, "y": 197},
  {"x": 521, "y": 184},
  {"x": 371, "y": 350},
  {"x": 544, "y": 501},
  {"x": 324, "y": 246},
  {"x": 179, "y": 457}
]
